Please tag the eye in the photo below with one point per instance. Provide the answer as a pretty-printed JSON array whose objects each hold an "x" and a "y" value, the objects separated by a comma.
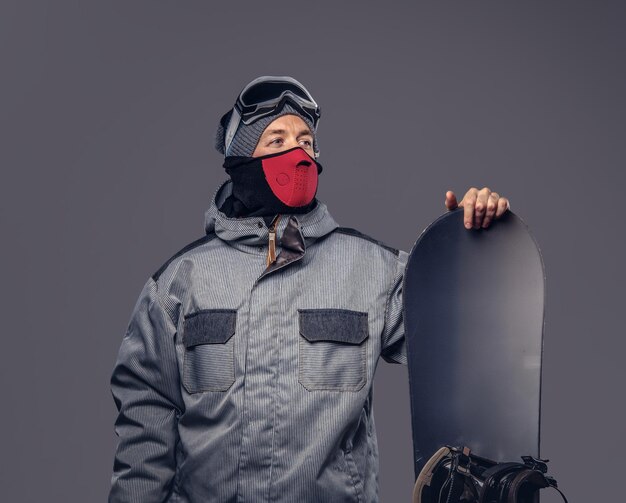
[
  {"x": 307, "y": 143},
  {"x": 276, "y": 141}
]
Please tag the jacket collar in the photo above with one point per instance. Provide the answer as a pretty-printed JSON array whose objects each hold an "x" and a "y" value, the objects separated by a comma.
[{"x": 248, "y": 232}]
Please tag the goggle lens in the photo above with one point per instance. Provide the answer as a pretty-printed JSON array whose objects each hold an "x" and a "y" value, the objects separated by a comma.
[{"x": 267, "y": 91}]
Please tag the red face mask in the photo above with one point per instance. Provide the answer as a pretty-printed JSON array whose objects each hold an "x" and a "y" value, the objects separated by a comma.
[{"x": 292, "y": 176}]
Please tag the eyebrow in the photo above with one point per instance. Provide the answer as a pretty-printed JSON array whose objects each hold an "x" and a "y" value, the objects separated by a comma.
[{"x": 304, "y": 132}]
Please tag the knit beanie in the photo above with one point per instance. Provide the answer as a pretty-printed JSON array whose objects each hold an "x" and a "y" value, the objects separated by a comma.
[{"x": 247, "y": 136}]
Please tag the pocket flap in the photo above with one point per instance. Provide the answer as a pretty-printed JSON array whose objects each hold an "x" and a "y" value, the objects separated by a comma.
[
  {"x": 338, "y": 325},
  {"x": 209, "y": 326}
]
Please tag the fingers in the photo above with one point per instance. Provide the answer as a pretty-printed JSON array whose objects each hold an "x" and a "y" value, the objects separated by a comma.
[
  {"x": 468, "y": 203},
  {"x": 503, "y": 205},
  {"x": 492, "y": 206},
  {"x": 450, "y": 202},
  {"x": 481, "y": 207}
]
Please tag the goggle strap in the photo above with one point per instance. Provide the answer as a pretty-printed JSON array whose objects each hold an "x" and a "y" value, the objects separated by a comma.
[{"x": 231, "y": 130}]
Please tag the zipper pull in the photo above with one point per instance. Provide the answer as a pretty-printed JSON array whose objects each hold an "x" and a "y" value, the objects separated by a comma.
[{"x": 271, "y": 250}]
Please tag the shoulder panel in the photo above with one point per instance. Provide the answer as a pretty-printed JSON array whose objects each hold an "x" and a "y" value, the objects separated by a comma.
[
  {"x": 185, "y": 249},
  {"x": 353, "y": 232}
]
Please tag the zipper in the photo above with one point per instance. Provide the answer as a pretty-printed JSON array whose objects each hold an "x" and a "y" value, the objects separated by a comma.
[{"x": 271, "y": 245}]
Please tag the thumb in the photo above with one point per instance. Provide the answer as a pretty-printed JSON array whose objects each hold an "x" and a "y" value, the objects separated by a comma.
[{"x": 451, "y": 202}]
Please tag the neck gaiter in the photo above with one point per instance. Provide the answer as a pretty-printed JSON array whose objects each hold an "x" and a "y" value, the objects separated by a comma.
[{"x": 285, "y": 182}]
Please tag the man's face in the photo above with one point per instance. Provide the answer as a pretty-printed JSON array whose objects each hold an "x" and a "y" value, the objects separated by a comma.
[{"x": 288, "y": 131}]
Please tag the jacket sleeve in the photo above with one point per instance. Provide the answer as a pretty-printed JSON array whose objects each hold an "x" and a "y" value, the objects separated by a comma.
[
  {"x": 393, "y": 347},
  {"x": 146, "y": 391}
]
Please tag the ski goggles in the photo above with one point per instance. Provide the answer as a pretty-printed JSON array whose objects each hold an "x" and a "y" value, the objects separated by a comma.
[{"x": 264, "y": 96}]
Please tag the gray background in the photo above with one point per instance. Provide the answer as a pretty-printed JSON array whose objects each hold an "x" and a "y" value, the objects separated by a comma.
[{"x": 108, "y": 112}]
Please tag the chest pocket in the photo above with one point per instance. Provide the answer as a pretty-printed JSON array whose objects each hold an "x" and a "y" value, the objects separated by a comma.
[
  {"x": 332, "y": 352},
  {"x": 209, "y": 363}
]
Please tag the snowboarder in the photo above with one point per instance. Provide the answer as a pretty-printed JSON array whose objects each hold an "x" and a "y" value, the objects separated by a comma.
[{"x": 246, "y": 370}]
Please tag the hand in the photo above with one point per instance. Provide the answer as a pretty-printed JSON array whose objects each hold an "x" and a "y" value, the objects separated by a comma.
[{"x": 480, "y": 206}]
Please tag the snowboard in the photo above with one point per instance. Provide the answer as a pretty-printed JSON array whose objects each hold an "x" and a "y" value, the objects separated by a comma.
[{"x": 473, "y": 303}]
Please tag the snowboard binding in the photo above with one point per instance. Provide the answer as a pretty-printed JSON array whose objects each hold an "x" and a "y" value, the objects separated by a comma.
[{"x": 456, "y": 475}]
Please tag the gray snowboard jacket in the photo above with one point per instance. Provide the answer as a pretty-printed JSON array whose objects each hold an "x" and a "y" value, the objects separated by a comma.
[{"x": 237, "y": 382}]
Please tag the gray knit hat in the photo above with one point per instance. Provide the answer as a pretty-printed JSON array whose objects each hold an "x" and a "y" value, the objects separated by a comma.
[{"x": 246, "y": 138}]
